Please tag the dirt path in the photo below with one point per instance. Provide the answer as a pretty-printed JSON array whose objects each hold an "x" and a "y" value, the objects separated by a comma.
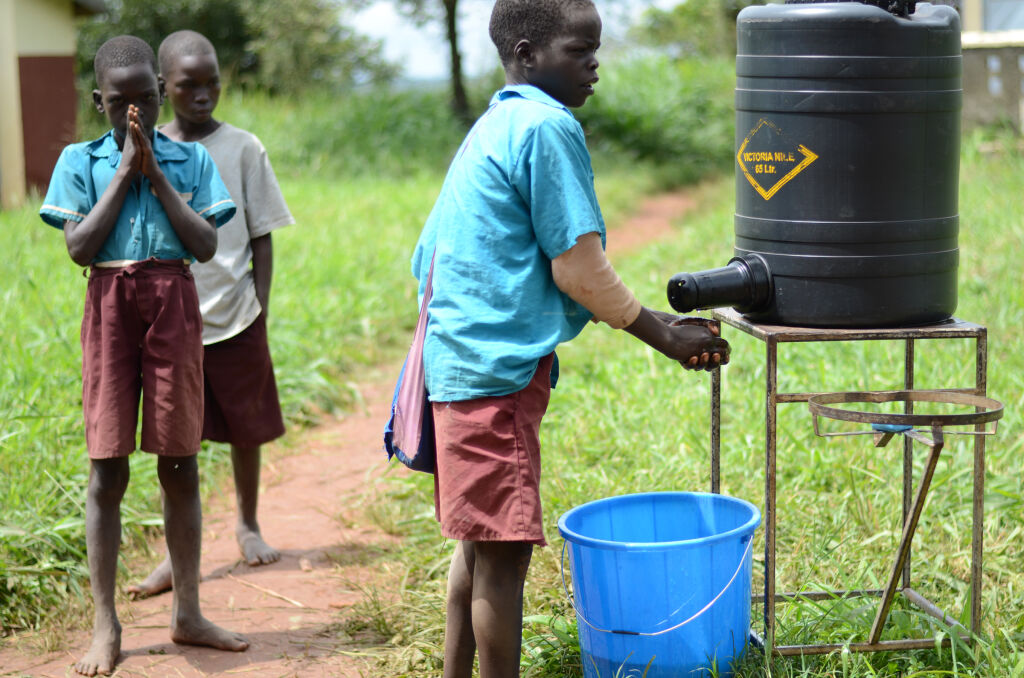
[{"x": 290, "y": 610}]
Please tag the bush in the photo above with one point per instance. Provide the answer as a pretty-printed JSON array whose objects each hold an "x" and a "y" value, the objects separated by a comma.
[
  {"x": 291, "y": 47},
  {"x": 675, "y": 114},
  {"x": 678, "y": 114},
  {"x": 380, "y": 131}
]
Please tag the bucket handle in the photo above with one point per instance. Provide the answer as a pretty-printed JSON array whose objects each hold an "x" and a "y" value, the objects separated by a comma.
[{"x": 579, "y": 615}]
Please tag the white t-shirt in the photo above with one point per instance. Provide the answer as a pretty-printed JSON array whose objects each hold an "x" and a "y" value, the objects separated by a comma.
[{"x": 227, "y": 294}]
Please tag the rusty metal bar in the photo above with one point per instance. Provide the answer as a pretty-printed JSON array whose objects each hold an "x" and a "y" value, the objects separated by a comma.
[
  {"x": 771, "y": 413},
  {"x": 930, "y": 608},
  {"x": 978, "y": 494},
  {"x": 716, "y": 430},
  {"x": 922, "y": 438},
  {"x": 880, "y": 646},
  {"x": 773, "y": 335},
  {"x": 954, "y": 328},
  {"x": 882, "y": 439},
  {"x": 795, "y": 397},
  {"x": 908, "y": 446},
  {"x": 804, "y": 397},
  {"x": 908, "y": 535},
  {"x": 823, "y": 595},
  {"x": 986, "y": 410}
]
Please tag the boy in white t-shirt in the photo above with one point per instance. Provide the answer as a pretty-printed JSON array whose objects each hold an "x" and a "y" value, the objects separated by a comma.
[{"x": 242, "y": 406}]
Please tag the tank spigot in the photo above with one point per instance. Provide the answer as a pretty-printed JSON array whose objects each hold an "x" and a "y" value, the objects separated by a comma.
[{"x": 745, "y": 284}]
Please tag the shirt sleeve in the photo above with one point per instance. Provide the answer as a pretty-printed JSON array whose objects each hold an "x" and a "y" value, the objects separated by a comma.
[
  {"x": 555, "y": 178},
  {"x": 67, "y": 197},
  {"x": 584, "y": 273},
  {"x": 265, "y": 208},
  {"x": 210, "y": 197}
]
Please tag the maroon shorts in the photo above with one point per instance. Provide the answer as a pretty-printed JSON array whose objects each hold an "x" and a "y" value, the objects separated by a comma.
[
  {"x": 142, "y": 335},
  {"x": 487, "y": 483},
  {"x": 242, "y": 407}
]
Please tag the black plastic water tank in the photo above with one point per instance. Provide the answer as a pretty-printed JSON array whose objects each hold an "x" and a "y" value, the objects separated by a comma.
[{"x": 847, "y": 151}]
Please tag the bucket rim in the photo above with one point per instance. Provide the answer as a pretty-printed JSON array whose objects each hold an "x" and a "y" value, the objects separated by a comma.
[{"x": 747, "y": 528}]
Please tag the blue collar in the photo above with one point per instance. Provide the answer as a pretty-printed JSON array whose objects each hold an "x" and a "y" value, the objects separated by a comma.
[
  {"x": 529, "y": 92},
  {"x": 165, "y": 149}
]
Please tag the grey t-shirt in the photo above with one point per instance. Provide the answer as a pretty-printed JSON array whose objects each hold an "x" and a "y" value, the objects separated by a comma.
[{"x": 227, "y": 294}]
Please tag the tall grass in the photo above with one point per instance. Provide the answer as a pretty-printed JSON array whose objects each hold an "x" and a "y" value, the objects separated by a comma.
[
  {"x": 377, "y": 133},
  {"x": 360, "y": 175},
  {"x": 677, "y": 114},
  {"x": 625, "y": 420}
]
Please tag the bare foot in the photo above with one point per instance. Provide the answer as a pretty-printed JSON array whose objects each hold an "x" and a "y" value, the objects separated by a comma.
[
  {"x": 254, "y": 549},
  {"x": 204, "y": 632},
  {"x": 158, "y": 581},
  {"x": 102, "y": 655}
]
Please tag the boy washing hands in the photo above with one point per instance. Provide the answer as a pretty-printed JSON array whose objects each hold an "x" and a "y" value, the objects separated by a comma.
[{"x": 516, "y": 238}]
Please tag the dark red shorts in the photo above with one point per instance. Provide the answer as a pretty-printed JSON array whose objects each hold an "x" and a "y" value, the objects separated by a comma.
[
  {"x": 142, "y": 336},
  {"x": 487, "y": 483},
  {"x": 242, "y": 407}
]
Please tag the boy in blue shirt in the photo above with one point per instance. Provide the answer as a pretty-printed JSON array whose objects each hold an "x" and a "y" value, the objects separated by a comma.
[
  {"x": 516, "y": 241},
  {"x": 241, "y": 402},
  {"x": 137, "y": 208}
]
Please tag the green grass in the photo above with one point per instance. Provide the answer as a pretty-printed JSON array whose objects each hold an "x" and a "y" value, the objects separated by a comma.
[
  {"x": 360, "y": 174},
  {"x": 625, "y": 420},
  {"x": 381, "y": 133},
  {"x": 360, "y": 178},
  {"x": 675, "y": 113},
  {"x": 343, "y": 299}
]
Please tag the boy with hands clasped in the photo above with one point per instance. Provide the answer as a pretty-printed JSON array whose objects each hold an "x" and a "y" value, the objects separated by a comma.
[
  {"x": 137, "y": 208},
  {"x": 516, "y": 239},
  {"x": 241, "y": 400}
]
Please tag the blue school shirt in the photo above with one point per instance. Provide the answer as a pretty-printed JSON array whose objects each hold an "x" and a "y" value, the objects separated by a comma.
[
  {"x": 518, "y": 194},
  {"x": 84, "y": 171}
]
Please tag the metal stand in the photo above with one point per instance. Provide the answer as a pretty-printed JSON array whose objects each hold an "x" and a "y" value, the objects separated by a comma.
[{"x": 773, "y": 336}]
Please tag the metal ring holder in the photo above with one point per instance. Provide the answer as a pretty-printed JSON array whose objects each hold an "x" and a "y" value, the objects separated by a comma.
[
  {"x": 986, "y": 411},
  {"x": 883, "y": 428}
]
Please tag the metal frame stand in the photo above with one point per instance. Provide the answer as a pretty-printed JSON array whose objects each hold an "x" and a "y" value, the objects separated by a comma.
[{"x": 773, "y": 336}]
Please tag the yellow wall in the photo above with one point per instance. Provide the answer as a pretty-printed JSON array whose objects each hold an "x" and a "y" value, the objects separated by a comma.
[
  {"x": 973, "y": 15},
  {"x": 29, "y": 28},
  {"x": 12, "y": 151},
  {"x": 45, "y": 27}
]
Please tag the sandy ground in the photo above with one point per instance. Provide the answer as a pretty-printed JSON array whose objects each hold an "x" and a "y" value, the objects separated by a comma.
[{"x": 291, "y": 610}]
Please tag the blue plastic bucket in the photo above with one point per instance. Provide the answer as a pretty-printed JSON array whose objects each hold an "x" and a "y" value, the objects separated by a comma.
[{"x": 662, "y": 583}]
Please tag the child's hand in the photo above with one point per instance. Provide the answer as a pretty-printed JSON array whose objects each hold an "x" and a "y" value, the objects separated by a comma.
[
  {"x": 131, "y": 152},
  {"x": 136, "y": 131},
  {"x": 672, "y": 319},
  {"x": 694, "y": 342},
  {"x": 709, "y": 353}
]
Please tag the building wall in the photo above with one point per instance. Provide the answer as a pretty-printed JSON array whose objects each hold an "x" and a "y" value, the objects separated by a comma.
[
  {"x": 993, "y": 78},
  {"x": 12, "y": 157},
  {"x": 45, "y": 27},
  {"x": 48, "y": 108},
  {"x": 45, "y": 35},
  {"x": 972, "y": 15},
  {"x": 37, "y": 92}
]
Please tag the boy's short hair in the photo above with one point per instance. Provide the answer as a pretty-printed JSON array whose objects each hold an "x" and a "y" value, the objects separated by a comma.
[
  {"x": 124, "y": 50},
  {"x": 538, "y": 21},
  {"x": 183, "y": 43}
]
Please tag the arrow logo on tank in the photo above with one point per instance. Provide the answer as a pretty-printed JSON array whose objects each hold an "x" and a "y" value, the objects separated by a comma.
[{"x": 768, "y": 158}]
